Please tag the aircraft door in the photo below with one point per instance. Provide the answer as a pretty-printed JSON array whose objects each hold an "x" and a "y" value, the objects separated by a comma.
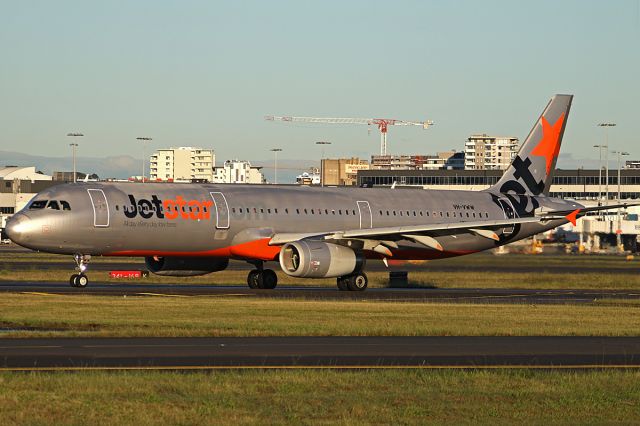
[
  {"x": 222, "y": 210},
  {"x": 509, "y": 213},
  {"x": 100, "y": 208},
  {"x": 366, "y": 221}
]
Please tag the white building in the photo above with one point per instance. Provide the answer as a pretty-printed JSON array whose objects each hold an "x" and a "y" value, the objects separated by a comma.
[
  {"x": 22, "y": 173},
  {"x": 238, "y": 171},
  {"x": 483, "y": 152},
  {"x": 182, "y": 164}
]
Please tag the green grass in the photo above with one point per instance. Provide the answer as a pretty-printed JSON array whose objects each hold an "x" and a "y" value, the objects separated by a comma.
[
  {"x": 411, "y": 397},
  {"x": 236, "y": 316},
  {"x": 462, "y": 279}
]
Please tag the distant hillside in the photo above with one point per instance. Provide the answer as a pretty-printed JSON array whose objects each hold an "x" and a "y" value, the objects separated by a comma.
[{"x": 123, "y": 166}]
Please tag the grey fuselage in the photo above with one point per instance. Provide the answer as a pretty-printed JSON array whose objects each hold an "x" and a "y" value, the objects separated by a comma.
[{"x": 193, "y": 220}]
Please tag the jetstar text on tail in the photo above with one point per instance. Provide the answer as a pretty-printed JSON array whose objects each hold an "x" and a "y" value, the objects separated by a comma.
[{"x": 170, "y": 209}]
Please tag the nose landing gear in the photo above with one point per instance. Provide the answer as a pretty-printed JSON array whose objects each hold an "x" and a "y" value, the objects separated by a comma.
[{"x": 80, "y": 280}]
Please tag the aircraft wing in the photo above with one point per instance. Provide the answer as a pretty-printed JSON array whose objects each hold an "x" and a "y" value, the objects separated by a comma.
[{"x": 423, "y": 234}]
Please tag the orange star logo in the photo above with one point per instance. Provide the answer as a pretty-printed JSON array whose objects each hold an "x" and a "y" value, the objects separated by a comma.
[{"x": 548, "y": 147}]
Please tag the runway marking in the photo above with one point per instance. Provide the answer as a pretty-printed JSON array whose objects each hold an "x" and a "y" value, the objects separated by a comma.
[
  {"x": 328, "y": 367},
  {"x": 163, "y": 295},
  {"x": 38, "y": 293}
]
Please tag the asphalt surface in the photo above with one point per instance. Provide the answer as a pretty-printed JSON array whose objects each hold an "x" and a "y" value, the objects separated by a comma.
[
  {"x": 461, "y": 295},
  {"x": 372, "y": 266},
  {"x": 300, "y": 352}
]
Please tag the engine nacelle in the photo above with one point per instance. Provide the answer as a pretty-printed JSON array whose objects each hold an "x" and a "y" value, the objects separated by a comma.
[
  {"x": 317, "y": 259},
  {"x": 185, "y": 266}
]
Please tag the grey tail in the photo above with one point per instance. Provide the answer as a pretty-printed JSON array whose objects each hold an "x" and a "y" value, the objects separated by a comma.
[{"x": 531, "y": 171}]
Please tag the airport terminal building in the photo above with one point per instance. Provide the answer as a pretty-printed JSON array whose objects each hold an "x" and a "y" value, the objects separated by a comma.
[{"x": 578, "y": 184}]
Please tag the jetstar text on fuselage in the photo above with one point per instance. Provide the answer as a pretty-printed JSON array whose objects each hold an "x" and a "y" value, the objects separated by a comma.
[{"x": 170, "y": 209}]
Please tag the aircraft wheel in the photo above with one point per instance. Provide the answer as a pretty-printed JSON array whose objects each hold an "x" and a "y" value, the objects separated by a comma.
[
  {"x": 269, "y": 279},
  {"x": 81, "y": 281},
  {"x": 72, "y": 280},
  {"x": 358, "y": 282},
  {"x": 343, "y": 283},
  {"x": 254, "y": 279}
]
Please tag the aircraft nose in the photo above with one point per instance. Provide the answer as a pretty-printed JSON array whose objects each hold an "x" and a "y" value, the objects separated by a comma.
[{"x": 18, "y": 228}]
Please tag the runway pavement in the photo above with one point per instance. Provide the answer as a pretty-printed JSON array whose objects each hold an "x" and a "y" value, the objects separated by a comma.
[
  {"x": 466, "y": 295},
  {"x": 320, "y": 352},
  {"x": 372, "y": 266}
]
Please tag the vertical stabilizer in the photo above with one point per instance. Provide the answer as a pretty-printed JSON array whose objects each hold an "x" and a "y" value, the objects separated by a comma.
[{"x": 531, "y": 171}]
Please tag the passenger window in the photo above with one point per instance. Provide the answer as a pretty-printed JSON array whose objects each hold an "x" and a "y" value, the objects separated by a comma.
[
  {"x": 66, "y": 206},
  {"x": 339, "y": 212},
  {"x": 37, "y": 205},
  {"x": 305, "y": 211},
  {"x": 474, "y": 214},
  {"x": 421, "y": 213},
  {"x": 313, "y": 211},
  {"x": 333, "y": 212},
  {"x": 326, "y": 211},
  {"x": 380, "y": 212},
  {"x": 286, "y": 210},
  {"x": 297, "y": 211},
  {"x": 387, "y": 212},
  {"x": 354, "y": 212},
  {"x": 441, "y": 215},
  {"x": 275, "y": 210},
  {"x": 269, "y": 211},
  {"x": 400, "y": 212},
  {"x": 467, "y": 214},
  {"x": 262, "y": 211},
  {"x": 414, "y": 213},
  {"x": 53, "y": 205},
  {"x": 394, "y": 212},
  {"x": 447, "y": 214},
  {"x": 346, "y": 212},
  {"x": 407, "y": 212},
  {"x": 233, "y": 209}
]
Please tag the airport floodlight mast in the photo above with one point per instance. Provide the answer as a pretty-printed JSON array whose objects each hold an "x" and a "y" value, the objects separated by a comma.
[
  {"x": 606, "y": 158},
  {"x": 275, "y": 163},
  {"x": 73, "y": 146},
  {"x": 143, "y": 140},
  {"x": 322, "y": 145},
  {"x": 382, "y": 123}
]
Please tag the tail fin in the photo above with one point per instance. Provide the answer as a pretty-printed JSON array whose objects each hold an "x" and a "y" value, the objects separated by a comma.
[{"x": 531, "y": 172}]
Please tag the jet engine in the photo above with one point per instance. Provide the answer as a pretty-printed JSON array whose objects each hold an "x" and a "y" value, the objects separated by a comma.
[
  {"x": 317, "y": 259},
  {"x": 185, "y": 266}
]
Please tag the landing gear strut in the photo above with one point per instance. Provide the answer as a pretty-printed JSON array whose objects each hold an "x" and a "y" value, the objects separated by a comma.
[
  {"x": 80, "y": 280},
  {"x": 261, "y": 278},
  {"x": 354, "y": 282}
]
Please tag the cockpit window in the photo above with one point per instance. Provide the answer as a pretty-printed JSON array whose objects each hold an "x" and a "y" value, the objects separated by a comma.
[
  {"x": 39, "y": 204},
  {"x": 53, "y": 205},
  {"x": 65, "y": 205}
]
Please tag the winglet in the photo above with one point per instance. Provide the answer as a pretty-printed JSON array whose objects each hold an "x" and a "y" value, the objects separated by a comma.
[{"x": 571, "y": 217}]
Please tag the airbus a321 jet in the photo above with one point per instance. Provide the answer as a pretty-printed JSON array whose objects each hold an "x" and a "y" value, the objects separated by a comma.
[{"x": 312, "y": 232}]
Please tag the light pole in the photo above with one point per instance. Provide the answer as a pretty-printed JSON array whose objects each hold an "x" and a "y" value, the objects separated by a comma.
[
  {"x": 275, "y": 163},
  {"x": 73, "y": 146},
  {"x": 619, "y": 230},
  {"x": 143, "y": 140},
  {"x": 600, "y": 172},
  {"x": 322, "y": 145},
  {"x": 606, "y": 158}
]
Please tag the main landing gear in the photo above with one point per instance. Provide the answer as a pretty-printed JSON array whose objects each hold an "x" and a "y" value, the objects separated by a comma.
[
  {"x": 354, "y": 282},
  {"x": 80, "y": 280},
  {"x": 261, "y": 278}
]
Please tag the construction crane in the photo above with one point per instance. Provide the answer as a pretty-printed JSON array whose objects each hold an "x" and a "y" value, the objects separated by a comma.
[{"x": 382, "y": 123}]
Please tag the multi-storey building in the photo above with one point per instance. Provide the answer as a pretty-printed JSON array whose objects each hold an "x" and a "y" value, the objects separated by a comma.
[
  {"x": 448, "y": 160},
  {"x": 237, "y": 171},
  {"x": 341, "y": 171},
  {"x": 182, "y": 164},
  {"x": 484, "y": 152}
]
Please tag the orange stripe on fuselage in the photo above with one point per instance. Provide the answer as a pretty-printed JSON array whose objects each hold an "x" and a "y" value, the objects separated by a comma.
[
  {"x": 261, "y": 250},
  {"x": 257, "y": 249}
]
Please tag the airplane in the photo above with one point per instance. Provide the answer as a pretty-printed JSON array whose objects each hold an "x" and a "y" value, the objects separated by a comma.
[{"x": 312, "y": 232}]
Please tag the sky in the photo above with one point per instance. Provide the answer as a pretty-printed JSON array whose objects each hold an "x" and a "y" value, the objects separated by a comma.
[{"x": 205, "y": 73}]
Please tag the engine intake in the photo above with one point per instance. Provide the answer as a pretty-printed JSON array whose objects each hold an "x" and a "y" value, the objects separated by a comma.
[
  {"x": 317, "y": 259},
  {"x": 185, "y": 266}
]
